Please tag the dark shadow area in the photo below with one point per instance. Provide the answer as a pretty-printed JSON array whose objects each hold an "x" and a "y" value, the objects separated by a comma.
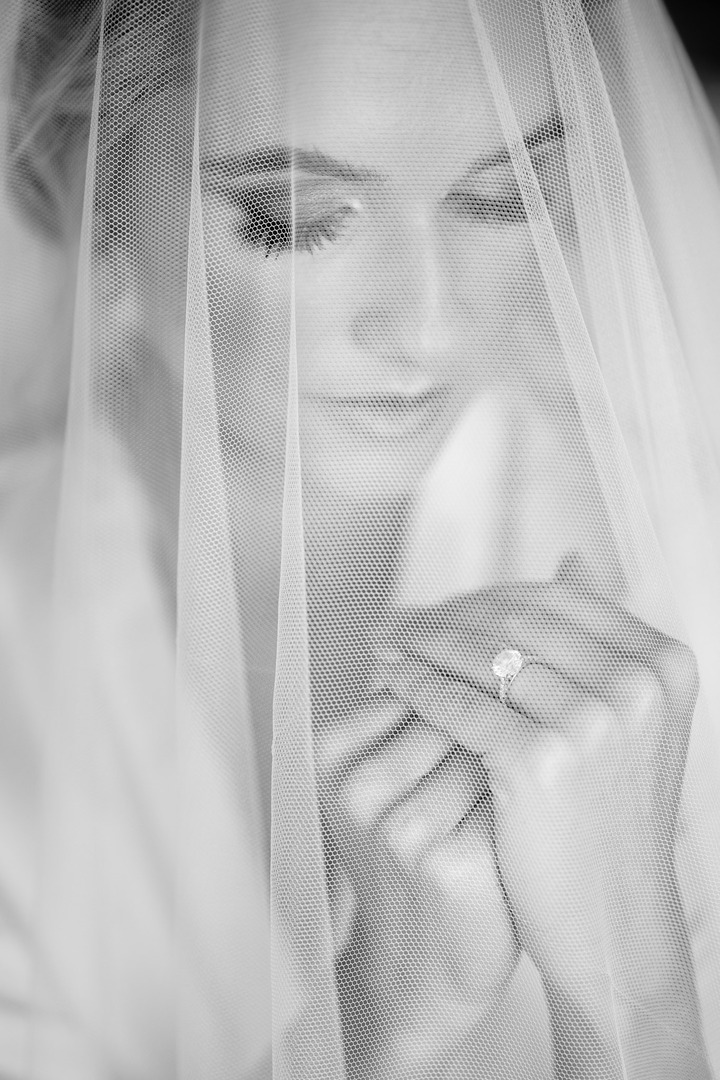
[{"x": 698, "y": 23}]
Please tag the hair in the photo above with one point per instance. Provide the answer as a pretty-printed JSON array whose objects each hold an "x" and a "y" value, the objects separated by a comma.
[{"x": 146, "y": 46}]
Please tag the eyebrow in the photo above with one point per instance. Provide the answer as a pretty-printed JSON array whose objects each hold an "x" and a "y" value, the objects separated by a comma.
[
  {"x": 280, "y": 159},
  {"x": 272, "y": 159},
  {"x": 549, "y": 130}
]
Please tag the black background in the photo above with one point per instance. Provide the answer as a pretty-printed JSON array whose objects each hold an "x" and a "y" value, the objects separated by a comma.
[{"x": 698, "y": 23}]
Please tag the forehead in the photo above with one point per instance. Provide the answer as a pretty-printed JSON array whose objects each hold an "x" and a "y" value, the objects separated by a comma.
[{"x": 381, "y": 83}]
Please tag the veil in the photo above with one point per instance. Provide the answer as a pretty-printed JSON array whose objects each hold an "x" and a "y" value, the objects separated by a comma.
[{"x": 359, "y": 544}]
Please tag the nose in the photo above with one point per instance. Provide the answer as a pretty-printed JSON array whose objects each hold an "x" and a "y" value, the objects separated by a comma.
[{"x": 404, "y": 310}]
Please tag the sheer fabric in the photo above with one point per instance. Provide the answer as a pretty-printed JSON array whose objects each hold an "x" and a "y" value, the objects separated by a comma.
[{"x": 345, "y": 345}]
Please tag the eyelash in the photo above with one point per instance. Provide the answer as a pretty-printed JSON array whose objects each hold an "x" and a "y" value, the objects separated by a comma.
[
  {"x": 273, "y": 234},
  {"x": 508, "y": 209}
]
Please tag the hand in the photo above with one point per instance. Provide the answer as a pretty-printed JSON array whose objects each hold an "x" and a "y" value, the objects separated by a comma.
[
  {"x": 408, "y": 820},
  {"x": 585, "y": 763}
]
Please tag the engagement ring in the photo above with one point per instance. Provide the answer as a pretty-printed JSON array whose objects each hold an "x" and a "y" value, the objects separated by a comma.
[{"x": 506, "y": 665}]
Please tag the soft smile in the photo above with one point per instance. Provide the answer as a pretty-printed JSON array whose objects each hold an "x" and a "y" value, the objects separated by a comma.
[{"x": 391, "y": 413}]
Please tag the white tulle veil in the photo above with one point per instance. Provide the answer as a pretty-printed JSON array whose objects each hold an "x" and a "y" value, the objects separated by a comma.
[{"x": 260, "y": 406}]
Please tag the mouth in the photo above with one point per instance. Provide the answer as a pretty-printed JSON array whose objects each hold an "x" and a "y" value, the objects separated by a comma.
[{"x": 391, "y": 414}]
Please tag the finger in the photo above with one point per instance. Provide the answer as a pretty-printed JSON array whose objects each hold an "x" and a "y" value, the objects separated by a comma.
[
  {"x": 546, "y": 696},
  {"x": 338, "y": 746},
  {"x": 568, "y": 600},
  {"x": 594, "y": 666},
  {"x": 503, "y": 737},
  {"x": 469, "y": 653},
  {"x": 461, "y": 875},
  {"x": 390, "y": 773},
  {"x": 623, "y": 637},
  {"x": 434, "y": 808},
  {"x": 473, "y": 719},
  {"x": 448, "y": 950},
  {"x": 653, "y": 723},
  {"x": 626, "y": 637},
  {"x": 506, "y": 737}
]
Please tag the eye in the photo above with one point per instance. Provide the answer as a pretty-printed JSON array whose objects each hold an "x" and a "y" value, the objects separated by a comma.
[
  {"x": 493, "y": 195},
  {"x": 264, "y": 218},
  {"x": 265, "y": 214},
  {"x": 507, "y": 208}
]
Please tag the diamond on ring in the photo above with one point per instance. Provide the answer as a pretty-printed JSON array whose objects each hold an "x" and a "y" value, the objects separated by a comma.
[{"x": 506, "y": 665}]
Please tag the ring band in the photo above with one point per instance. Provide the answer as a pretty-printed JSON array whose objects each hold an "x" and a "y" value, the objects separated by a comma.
[{"x": 507, "y": 665}]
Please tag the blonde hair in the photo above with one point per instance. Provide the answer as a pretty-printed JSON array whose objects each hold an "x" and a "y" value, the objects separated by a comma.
[{"x": 147, "y": 44}]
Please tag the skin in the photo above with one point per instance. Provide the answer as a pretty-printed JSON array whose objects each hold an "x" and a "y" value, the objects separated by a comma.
[
  {"x": 460, "y": 831},
  {"x": 608, "y": 708}
]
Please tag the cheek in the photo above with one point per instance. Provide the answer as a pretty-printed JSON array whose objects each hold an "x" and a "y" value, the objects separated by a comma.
[
  {"x": 496, "y": 283},
  {"x": 490, "y": 285},
  {"x": 508, "y": 315},
  {"x": 491, "y": 288}
]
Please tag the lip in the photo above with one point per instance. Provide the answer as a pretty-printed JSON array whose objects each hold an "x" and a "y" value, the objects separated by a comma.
[{"x": 392, "y": 413}]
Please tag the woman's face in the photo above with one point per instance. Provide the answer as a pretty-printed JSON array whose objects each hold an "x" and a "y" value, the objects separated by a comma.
[{"x": 355, "y": 181}]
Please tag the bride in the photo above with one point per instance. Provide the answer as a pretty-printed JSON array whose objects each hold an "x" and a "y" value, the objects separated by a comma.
[{"x": 360, "y": 522}]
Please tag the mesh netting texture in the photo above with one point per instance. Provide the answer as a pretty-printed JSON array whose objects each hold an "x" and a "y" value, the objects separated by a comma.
[{"x": 359, "y": 546}]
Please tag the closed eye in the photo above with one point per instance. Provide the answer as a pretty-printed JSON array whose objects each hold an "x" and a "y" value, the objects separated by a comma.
[
  {"x": 506, "y": 208},
  {"x": 264, "y": 213},
  {"x": 491, "y": 194}
]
